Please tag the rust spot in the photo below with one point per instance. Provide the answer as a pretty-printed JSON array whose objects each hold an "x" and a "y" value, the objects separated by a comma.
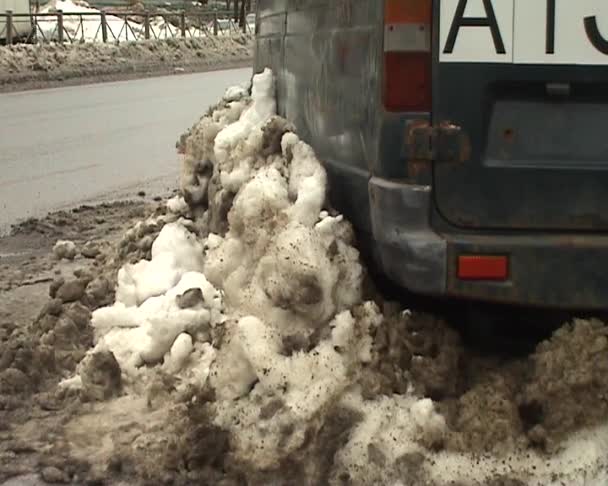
[
  {"x": 465, "y": 147},
  {"x": 445, "y": 142},
  {"x": 414, "y": 129},
  {"x": 419, "y": 138},
  {"x": 417, "y": 167}
]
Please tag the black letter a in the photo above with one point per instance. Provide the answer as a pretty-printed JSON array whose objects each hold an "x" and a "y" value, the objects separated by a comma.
[{"x": 488, "y": 21}]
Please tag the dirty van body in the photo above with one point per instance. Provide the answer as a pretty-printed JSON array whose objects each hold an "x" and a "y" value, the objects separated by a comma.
[{"x": 467, "y": 141}]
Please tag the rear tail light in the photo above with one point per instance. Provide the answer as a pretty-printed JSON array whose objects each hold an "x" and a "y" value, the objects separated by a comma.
[
  {"x": 483, "y": 267},
  {"x": 407, "y": 55}
]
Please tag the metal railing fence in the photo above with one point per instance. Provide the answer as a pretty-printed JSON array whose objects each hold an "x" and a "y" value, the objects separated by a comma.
[{"x": 117, "y": 26}]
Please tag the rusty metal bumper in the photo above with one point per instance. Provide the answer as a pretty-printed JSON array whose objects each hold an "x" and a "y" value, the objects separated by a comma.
[
  {"x": 409, "y": 252},
  {"x": 546, "y": 270}
]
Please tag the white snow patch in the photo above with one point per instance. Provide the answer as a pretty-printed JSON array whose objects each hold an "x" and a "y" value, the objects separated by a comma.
[
  {"x": 235, "y": 93},
  {"x": 263, "y": 107},
  {"x": 72, "y": 383},
  {"x": 177, "y": 205},
  {"x": 307, "y": 180},
  {"x": 146, "y": 333},
  {"x": 180, "y": 351},
  {"x": 174, "y": 252}
]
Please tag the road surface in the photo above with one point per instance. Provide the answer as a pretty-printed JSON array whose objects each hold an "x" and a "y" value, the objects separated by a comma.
[{"x": 61, "y": 147}]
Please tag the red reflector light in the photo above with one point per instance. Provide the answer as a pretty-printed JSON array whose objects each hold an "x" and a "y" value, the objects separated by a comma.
[
  {"x": 407, "y": 55},
  {"x": 407, "y": 81},
  {"x": 479, "y": 267}
]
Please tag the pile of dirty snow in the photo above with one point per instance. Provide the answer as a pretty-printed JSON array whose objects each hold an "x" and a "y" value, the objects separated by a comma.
[
  {"x": 248, "y": 315},
  {"x": 54, "y": 62}
]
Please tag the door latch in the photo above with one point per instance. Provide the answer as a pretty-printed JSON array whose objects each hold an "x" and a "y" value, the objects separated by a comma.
[{"x": 442, "y": 143}]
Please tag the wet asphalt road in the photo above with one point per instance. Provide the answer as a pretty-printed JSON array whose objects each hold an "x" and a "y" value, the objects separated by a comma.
[{"x": 66, "y": 146}]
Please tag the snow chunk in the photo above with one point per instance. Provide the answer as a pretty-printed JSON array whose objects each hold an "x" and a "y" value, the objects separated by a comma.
[
  {"x": 235, "y": 93},
  {"x": 260, "y": 200},
  {"x": 431, "y": 426},
  {"x": 64, "y": 249},
  {"x": 307, "y": 180},
  {"x": 146, "y": 333},
  {"x": 72, "y": 383},
  {"x": 263, "y": 107},
  {"x": 180, "y": 351},
  {"x": 174, "y": 252},
  {"x": 177, "y": 205}
]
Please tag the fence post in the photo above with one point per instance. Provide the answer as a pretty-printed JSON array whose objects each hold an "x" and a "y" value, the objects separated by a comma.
[
  {"x": 182, "y": 23},
  {"x": 60, "y": 26},
  {"x": 104, "y": 28},
  {"x": 9, "y": 27},
  {"x": 242, "y": 17},
  {"x": 215, "y": 24},
  {"x": 147, "y": 25}
]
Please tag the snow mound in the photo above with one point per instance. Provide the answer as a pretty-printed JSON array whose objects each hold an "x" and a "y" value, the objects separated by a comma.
[{"x": 254, "y": 310}]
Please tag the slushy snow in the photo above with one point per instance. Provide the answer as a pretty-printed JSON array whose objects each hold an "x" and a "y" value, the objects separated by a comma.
[{"x": 268, "y": 312}]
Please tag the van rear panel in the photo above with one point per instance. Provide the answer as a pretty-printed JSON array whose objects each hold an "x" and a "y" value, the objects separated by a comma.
[{"x": 530, "y": 90}]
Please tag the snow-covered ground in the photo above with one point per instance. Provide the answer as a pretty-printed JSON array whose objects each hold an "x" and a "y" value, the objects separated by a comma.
[
  {"x": 242, "y": 343},
  {"x": 84, "y": 55}
]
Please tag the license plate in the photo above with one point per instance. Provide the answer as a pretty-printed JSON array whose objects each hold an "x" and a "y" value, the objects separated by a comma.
[{"x": 524, "y": 31}]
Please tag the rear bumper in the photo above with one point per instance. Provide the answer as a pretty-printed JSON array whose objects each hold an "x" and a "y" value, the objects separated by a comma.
[
  {"x": 410, "y": 252},
  {"x": 558, "y": 271}
]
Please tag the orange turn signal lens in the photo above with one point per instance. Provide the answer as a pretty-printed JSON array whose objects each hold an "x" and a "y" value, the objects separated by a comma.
[
  {"x": 483, "y": 267},
  {"x": 408, "y": 11}
]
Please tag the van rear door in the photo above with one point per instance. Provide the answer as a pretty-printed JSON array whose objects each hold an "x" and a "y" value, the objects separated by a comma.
[{"x": 527, "y": 81}]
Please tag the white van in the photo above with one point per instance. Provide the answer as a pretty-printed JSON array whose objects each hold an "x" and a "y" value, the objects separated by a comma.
[{"x": 22, "y": 26}]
